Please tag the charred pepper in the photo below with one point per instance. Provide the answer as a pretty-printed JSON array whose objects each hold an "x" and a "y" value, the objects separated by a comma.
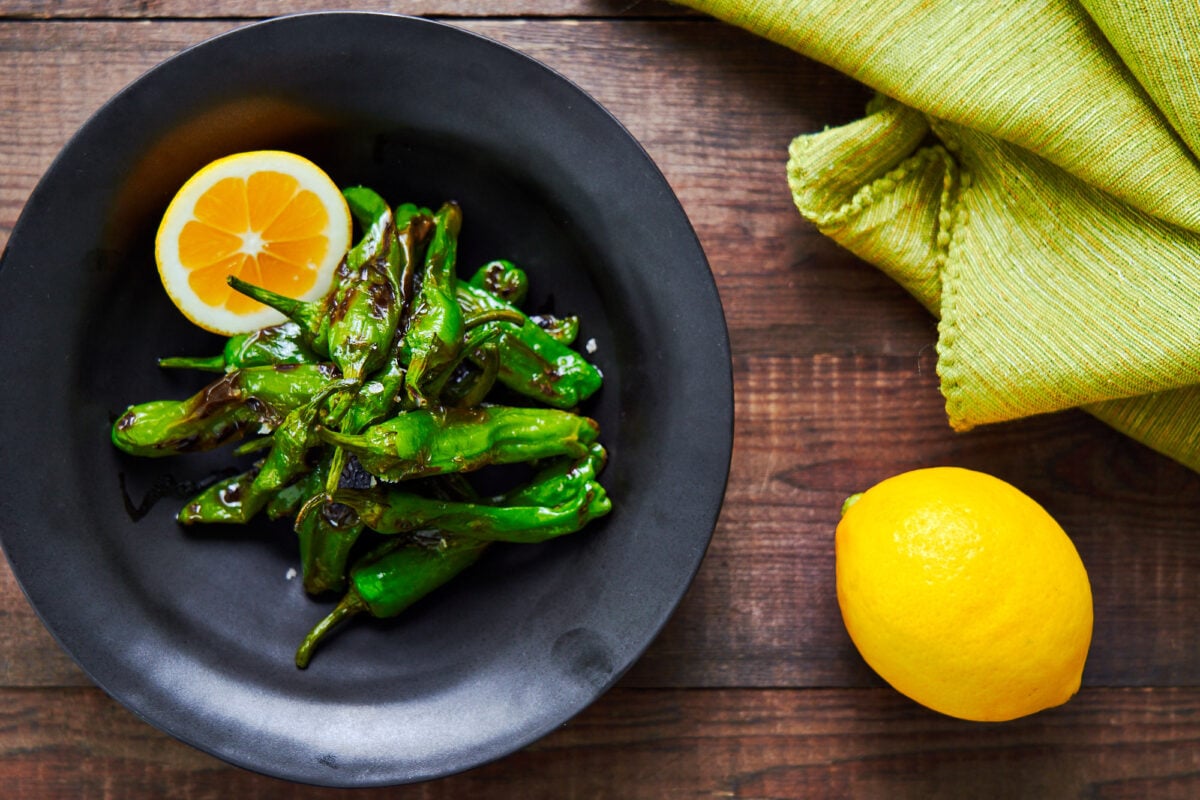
[
  {"x": 560, "y": 500},
  {"x": 434, "y": 338},
  {"x": 389, "y": 580},
  {"x": 251, "y": 399},
  {"x": 274, "y": 345},
  {"x": 503, "y": 279},
  {"x": 423, "y": 442},
  {"x": 532, "y": 362}
]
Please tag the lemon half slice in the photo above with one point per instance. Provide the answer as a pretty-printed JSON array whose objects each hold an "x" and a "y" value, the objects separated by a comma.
[{"x": 270, "y": 217}]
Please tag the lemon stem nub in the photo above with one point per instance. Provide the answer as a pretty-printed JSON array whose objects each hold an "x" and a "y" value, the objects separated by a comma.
[{"x": 851, "y": 500}]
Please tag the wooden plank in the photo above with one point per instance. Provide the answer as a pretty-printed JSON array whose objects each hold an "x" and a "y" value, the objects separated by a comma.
[
  {"x": 180, "y": 9},
  {"x": 658, "y": 744}
]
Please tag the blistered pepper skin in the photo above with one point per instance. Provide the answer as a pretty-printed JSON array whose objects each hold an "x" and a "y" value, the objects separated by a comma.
[
  {"x": 434, "y": 339},
  {"x": 390, "y": 580},
  {"x": 423, "y": 443},
  {"x": 533, "y": 362},
  {"x": 255, "y": 399},
  {"x": 276, "y": 345},
  {"x": 560, "y": 500}
]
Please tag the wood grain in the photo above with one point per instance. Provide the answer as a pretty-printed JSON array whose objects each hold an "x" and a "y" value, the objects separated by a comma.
[
  {"x": 181, "y": 9},
  {"x": 666, "y": 744}
]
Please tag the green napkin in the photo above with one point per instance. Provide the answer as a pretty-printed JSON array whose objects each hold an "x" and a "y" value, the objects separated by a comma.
[{"x": 1028, "y": 172}]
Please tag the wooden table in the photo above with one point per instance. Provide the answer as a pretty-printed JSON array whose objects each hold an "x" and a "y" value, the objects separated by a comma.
[{"x": 754, "y": 689}]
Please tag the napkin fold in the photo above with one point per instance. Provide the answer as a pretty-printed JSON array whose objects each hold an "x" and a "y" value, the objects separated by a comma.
[{"x": 1028, "y": 172}]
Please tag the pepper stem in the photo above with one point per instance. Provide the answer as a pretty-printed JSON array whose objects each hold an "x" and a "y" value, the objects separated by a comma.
[
  {"x": 288, "y": 306},
  {"x": 209, "y": 364},
  {"x": 337, "y": 462},
  {"x": 253, "y": 446},
  {"x": 350, "y": 605},
  {"x": 494, "y": 315},
  {"x": 318, "y": 499},
  {"x": 334, "y": 437}
]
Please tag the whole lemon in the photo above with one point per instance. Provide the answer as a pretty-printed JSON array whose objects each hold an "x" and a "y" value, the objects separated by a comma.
[{"x": 964, "y": 594}]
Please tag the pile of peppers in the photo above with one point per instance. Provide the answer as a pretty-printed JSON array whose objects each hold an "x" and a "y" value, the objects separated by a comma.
[{"x": 365, "y": 412}]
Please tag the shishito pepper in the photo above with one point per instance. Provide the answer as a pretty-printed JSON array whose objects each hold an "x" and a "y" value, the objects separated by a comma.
[
  {"x": 238, "y": 499},
  {"x": 503, "y": 279},
  {"x": 410, "y": 353},
  {"x": 560, "y": 500},
  {"x": 251, "y": 399},
  {"x": 423, "y": 442},
  {"x": 532, "y": 361},
  {"x": 389, "y": 580},
  {"x": 364, "y": 317},
  {"x": 277, "y": 344},
  {"x": 434, "y": 338},
  {"x": 326, "y": 533},
  {"x": 287, "y": 501},
  {"x": 354, "y": 324},
  {"x": 221, "y": 502},
  {"x": 563, "y": 330},
  {"x": 378, "y": 396},
  {"x": 509, "y": 283},
  {"x": 326, "y": 536}
]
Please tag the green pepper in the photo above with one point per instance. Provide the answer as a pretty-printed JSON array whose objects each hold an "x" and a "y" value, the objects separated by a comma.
[
  {"x": 363, "y": 319},
  {"x": 479, "y": 363},
  {"x": 220, "y": 502},
  {"x": 277, "y": 344},
  {"x": 559, "y": 480},
  {"x": 563, "y": 330},
  {"x": 423, "y": 442},
  {"x": 503, "y": 279},
  {"x": 290, "y": 443},
  {"x": 237, "y": 499},
  {"x": 560, "y": 500},
  {"x": 287, "y": 501},
  {"x": 434, "y": 337},
  {"x": 532, "y": 362},
  {"x": 411, "y": 354},
  {"x": 386, "y": 582},
  {"x": 251, "y": 399},
  {"x": 470, "y": 384},
  {"x": 378, "y": 397},
  {"x": 326, "y": 533},
  {"x": 414, "y": 226}
]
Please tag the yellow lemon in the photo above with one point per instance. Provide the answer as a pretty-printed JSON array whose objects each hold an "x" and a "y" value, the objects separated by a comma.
[
  {"x": 271, "y": 218},
  {"x": 964, "y": 594}
]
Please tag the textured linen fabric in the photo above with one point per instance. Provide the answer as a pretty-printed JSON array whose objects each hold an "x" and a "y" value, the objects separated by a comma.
[{"x": 1027, "y": 173}]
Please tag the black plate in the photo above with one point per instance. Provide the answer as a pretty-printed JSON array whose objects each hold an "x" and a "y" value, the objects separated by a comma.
[{"x": 195, "y": 631}]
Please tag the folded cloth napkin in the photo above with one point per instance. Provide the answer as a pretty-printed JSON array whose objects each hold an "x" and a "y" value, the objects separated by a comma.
[{"x": 1029, "y": 173}]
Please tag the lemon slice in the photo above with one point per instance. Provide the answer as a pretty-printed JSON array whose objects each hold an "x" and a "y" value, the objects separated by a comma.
[{"x": 271, "y": 218}]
